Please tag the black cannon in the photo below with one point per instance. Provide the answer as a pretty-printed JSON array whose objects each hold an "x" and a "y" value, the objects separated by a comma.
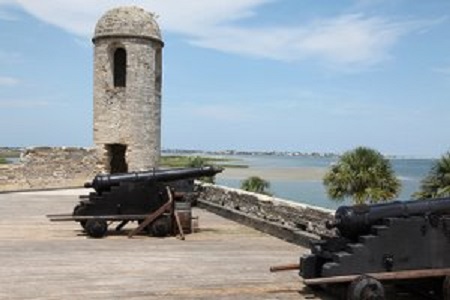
[
  {"x": 353, "y": 221},
  {"x": 134, "y": 196},
  {"x": 104, "y": 182},
  {"x": 408, "y": 239}
]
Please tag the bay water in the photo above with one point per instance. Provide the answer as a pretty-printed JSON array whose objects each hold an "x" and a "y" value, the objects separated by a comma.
[{"x": 409, "y": 171}]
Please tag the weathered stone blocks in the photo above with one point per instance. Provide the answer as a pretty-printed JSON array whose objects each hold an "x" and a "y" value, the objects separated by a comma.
[
  {"x": 128, "y": 115},
  {"x": 45, "y": 167},
  {"x": 267, "y": 213}
]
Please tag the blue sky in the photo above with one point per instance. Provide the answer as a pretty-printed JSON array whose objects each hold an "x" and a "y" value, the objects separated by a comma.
[{"x": 294, "y": 75}]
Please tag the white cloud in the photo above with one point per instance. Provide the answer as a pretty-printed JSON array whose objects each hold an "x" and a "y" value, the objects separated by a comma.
[
  {"x": 442, "y": 70},
  {"x": 183, "y": 16},
  {"x": 351, "y": 38},
  {"x": 8, "y": 81},
  {"x": 343, "y": 40}
]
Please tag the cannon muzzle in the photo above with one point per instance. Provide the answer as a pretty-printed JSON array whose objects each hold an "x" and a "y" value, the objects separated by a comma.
[{"x": 352, "y": 221}]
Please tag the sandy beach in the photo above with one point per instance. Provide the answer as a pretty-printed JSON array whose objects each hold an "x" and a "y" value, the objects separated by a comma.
[{"x": 275, "y": 174}]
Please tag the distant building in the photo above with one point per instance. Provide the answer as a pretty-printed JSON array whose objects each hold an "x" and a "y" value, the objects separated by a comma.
[{"x": 127, "y": 90}]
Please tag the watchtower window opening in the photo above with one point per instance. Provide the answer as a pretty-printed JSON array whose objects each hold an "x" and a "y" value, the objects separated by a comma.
[
  {"x": 116, "y": 158},
  {"x": 158, "y": 70},
  {"x": 120, "y": 67}
]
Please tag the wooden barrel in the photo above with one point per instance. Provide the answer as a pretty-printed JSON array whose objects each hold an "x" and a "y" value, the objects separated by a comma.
[{"x": 184, "y": 211}]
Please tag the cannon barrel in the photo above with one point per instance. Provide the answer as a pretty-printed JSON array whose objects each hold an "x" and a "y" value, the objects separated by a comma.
[
  {"x": 103, "y": 182},
  {"x": 352, "y": 221}
]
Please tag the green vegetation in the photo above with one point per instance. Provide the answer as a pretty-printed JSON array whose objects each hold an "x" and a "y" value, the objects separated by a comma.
[
  {"x": 437, "y": 182},
  {"x": 180, "y": 161},
  {"x": 9, "y": 153},
  {"x": 364, "y": 175},
  {"x": 256, "y": 184},
  {"x": 6, "y": 153},
  {"x": 198, "y": 162}
]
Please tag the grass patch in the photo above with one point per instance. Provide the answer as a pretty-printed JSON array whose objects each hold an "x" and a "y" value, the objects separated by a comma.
[
  {"x": 233, "y": 166},
  {"x": 182, "y": 161},
  {"x": 9, "y": 153}
]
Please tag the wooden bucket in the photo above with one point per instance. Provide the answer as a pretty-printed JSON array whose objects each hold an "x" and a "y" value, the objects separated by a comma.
[{"x": 184, "y": 211}]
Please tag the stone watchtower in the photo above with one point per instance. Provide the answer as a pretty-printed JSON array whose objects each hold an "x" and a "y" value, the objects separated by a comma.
[{"x": 127, "y": 90}]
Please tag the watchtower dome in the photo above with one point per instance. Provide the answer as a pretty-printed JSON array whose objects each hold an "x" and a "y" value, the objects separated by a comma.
[{"x": 127, "y": 89}]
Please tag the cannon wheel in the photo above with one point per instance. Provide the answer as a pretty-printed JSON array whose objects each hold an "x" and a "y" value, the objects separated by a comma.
[
  {"x": 76, "y": 212},
  {"x": 160, "y": 227},
  {"x": 83, "y": 224},
  {"x": 96, "y": 228},
  {"x": 365, "y": 288},
  {"x": 446, "y": 288}
]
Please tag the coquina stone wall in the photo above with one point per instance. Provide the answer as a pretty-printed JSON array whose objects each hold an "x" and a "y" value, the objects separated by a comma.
[
  {"x": 128, "y": 113},
  {"x": 295, "y": 222},
  {"x": 47, "y": 167}
]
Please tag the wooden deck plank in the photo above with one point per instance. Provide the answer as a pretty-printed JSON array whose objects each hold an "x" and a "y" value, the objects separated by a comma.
[{"x": 46, "y": 260}]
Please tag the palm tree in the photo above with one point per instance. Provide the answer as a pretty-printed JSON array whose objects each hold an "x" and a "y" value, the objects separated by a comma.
[
  {"x": 437, "y": 182},
  {"x": 256, "y": 184},
  {"x": 363, "y": 174}
]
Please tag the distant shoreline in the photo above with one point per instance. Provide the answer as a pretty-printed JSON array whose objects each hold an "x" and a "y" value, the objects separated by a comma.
[
  {"x": 246, "y": 153},
  {"x": 226, "y": 153},
  {"x": 14, "y": 152}
]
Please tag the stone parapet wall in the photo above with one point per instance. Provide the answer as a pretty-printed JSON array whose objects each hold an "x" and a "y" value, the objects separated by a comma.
[
  {"x": 265, "y": 213},
  {"x": 12, "y": 177},
  {"x": 47, "y": 167}
]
